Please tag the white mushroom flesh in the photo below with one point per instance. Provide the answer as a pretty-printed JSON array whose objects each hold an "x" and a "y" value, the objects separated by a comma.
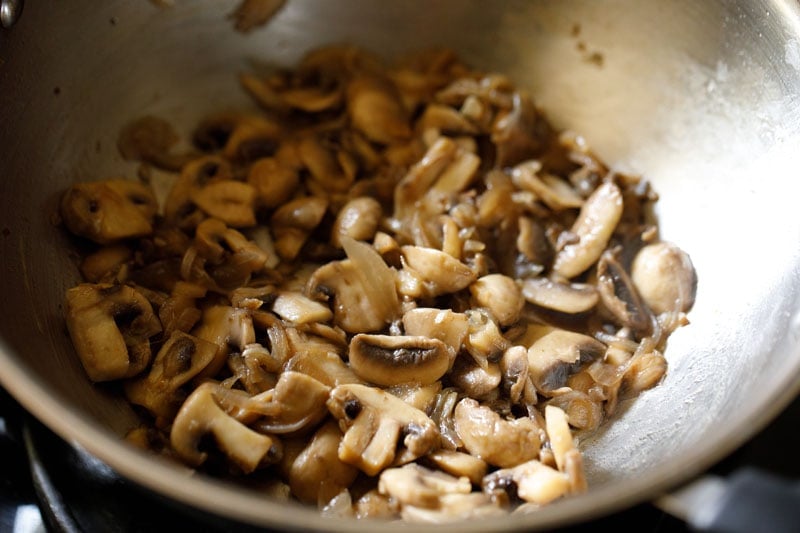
[{"x": 381, "y": 264}]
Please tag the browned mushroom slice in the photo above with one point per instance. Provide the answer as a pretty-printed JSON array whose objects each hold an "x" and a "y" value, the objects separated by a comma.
[
  {"x": 620, "y": 297},
  {"x": 665, "y": 277},
  {"x": 296, "y": 402},
  {"x": 456, "y": 507},
  {"x": 179, "y": 208},
  {"x": 180, "y": 359},
  {"x": 231, "y": 201},
  {"x": 293, "y": 222},
  {"x": 274, "y": 182},
  {"x": 110, "y": 327},
  {"x": 395, "y": 359},
  {"x": 474, "y": 380},
  {"x": 419, "y": 396},
  {"x": 180, "y": 312},
  {"x": 295, "y": 308},
  {"x": 534, "y": 481},
  {"x": 445, "y": 119},
  {"x": 532, "y": 241},
  {"x": 374, "y": 107},
  {"x": 459, "y": 464},
  {"x": 515, "y": 369},
  {"x": 554, "y": 192},
  {"x": 252, "y": 138},
  {"x": 441, "y": 272},
  {"x": 252, "y": 14},
  {"x": 332, "y": 168},
  {"x": 485, "y": 342},
  {"x": 357, "y": 307},
  {"x": 109, "y": 211},
  {"x": 448, "y": 326},
  {"x": 520, "y": 134},
  {"x": 317, "y": 474},
  {"x": 323, "y": 365},
  {"x": 201, "y": 415},
  {"x": 556, "y": 353},
  {"x": 416, "y": 485},
  {"x": 499, "y": 442},
  {"x": 224, "y": 326},
  {"x": 150, "y": 139},
  {"x": 583, "y": 412},
  {"x": 108, "y": 264},
  {"x": 231, "y": 259},
  {"x": 373, "y": 504},
  {"x": 358, "y": 219},
  {"x": 564, "y": 297},
  {"x": 500, "y": 295},
  {"x": 382, "y": 429},
  {"x": 593, "y": 228}
]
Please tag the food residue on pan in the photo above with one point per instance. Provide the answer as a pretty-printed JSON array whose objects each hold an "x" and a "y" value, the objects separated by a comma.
[{"x": 395, "y": 291}]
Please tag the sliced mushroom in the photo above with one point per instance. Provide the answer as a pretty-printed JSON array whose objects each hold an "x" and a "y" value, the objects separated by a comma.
[
  {"x": 452, "y": 508},
  {"x": 582, "y": 411},
  {"x": 293, "y": 222},
  {"x": 500, "y": 295},
  {"x": 253, "y": 137},
  {"x": 109, "y": 211},
  {"x": 296, "y": 308},
  {"x": 395, "y": 359},
  {"x": 558, "y": 433},
  {"x": 515, "y": 369},
  {"x": 353, "y": 305},
  {"x": 665, "y": 277},
  {"x": 421, "y": 176},
  {"x": 179, "y": 208},
  {"x": 554, "y": 192},
  {"x": 593, "y": 228},
  {"x": 231, "y": 201},
  {"x": 106, "y": 264},
  {"x": 485, "y": 342},
  {"x": 499, "y": 442},
  {"x": 620, "y": 297},
  {"x": 381, "y": 429},
  {"x": 474, "y": 380},
  {"x": 200, "y": 415},
  {"x": 459, "y": 464},
  {"x": 323, "y": 365},
  {"x": 570, "y": 298},
  {"x": 110, "y": 327},
  {"x": 520, "y": 134},
  {"x": 298, "y": 401},
  {"x": 358, "y": 219},
  {"x": 180, "y": 358},
  {"x": 150, "y": 139},
  {"x": 373, "y": 504},
  {"x": 274, "y": 182},
  {"x": 416, "y": 485},
  {"x": 556, "y": 353},
  {"x": 441, "y": 272},
  {"x": 332, "y": 168},
  {"x": 317, "y": 474},
  {"x": 533, "y": 481},
  {"x": 448, "y": 326},
  {"x": 180, "y": 312},
  {"x": 445, "y": 119},
  {"x": 374, "y": 107},
  {"x": 419, "y": 396},
  {"x": 224, "y": 326}
]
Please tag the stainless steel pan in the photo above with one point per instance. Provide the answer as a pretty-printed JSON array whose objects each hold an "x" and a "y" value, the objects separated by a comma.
[{"x": 703, "y": 98}]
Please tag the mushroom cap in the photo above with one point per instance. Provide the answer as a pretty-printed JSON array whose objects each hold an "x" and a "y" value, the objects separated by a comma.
[{"x": 395, "y": 359}]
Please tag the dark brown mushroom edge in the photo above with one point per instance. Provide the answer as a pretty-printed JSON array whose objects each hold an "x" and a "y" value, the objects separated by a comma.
[{"x": 387, "y": 291}]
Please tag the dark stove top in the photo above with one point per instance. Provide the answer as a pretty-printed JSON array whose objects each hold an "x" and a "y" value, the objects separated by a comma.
[{"x": 48, "y": 486}]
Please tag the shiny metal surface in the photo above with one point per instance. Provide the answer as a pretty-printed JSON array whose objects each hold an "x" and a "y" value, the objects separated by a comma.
[
  {"x": 10, "y": 11},
  {"x": 703, "y": 98}
]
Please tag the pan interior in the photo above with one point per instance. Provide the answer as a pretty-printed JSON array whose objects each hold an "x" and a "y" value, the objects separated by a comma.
[{"x": 701, "y": 98}]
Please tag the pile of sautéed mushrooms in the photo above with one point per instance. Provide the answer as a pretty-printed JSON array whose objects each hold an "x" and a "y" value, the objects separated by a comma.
[{"x": 392, "y": 291}]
